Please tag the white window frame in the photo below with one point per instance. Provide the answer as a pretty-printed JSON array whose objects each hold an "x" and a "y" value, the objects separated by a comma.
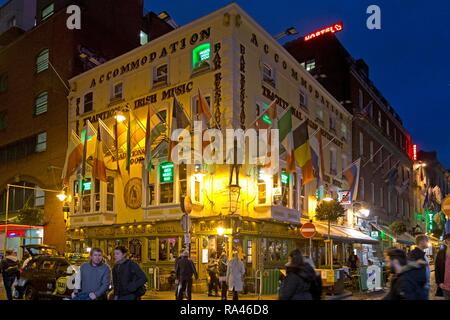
[
  {"x": 114, "y": 96},
  {"x": 42, "y": 60},
  {"x": 162, "y": 79},
  {"x": 42, "y": 143},
  {"x": 41, "y": 104},
  {"x": 84, "y": 102},
  {"x": 268, "y": 77},
  {"x": 51, "y": 8},
  {"x": 303, "y": 97},
  {"x": 142, "y": 35}
]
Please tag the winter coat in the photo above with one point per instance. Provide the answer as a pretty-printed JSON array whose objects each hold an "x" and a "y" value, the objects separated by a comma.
[
  {"x": 185, "y": 269},
  {"x": 409, "y": 283},
  {"x": 235, "y": 274},
  {"x": 223, "y": 265},
  {"x": 10, "y": 267},
  {"x": 298, "y": 283},
  {"x": 419, "y": 255},
  {"x": 128, "y": 278},
  {"x": 440, "y": 269},
  {"x": 213, "y": 266}
]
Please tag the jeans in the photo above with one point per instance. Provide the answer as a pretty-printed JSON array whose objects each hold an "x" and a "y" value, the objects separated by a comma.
[
  {"x": 127, "y": 297},
  {"x": 213, "y": 284},
  {"x": 82, "y": 296},
  {"x": 224, "y": 287},
  {"x": 446, "y": 294},
  {"x": 8, "y": 282},
  {"x": 186, "y": 286}
]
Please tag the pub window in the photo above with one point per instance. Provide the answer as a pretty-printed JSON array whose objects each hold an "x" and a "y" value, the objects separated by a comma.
[
  {"x": 76, "y": 197},
  {"x": 268, "y": 74},
  {"x": 41, "y": 103},
  {"x": 262, "y": 188},
  {"x": 117, "y": 91},
  {"x": 41, "y": 142},
  {"x": 310, "y": 65},
  {"x": 42, "y": 61},
  {"x": 3, "y": 82},
  {"x": 166, "y": 193},
  {"x": 88, "y": 102},
  {"x": 96, "y": 195},
  {"x": 201, "y": 56},
  {"x": 160, "y": 75},
  {"x": 143, "y": 38},
  {"x": 197, "y": 185},
  {"x": 110, "y": 194},
  {"x": 166, "y": 183},
  {"x": 2, "y": 121},
  {"x": 151, "y": 249},
  {"x": 47, "y": 11},
  {"x": 168, "y": 249},
  {"x": 151, "y": 188}
]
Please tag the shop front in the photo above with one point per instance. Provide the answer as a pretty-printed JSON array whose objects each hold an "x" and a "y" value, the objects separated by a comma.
[{"x": 19, "y": 235}]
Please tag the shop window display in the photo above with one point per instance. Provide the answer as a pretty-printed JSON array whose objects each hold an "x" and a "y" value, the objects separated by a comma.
[
  {"x": 168, "y": 249},
  {"x": 275, "y": 251}
]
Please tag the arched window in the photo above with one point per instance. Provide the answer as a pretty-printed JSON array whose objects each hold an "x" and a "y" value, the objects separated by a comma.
[
  {"x": 42, "y": 61},
  {"x": 41, "y": 103}
]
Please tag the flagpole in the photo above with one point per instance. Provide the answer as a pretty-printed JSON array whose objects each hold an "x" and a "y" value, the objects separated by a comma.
[
  {"x": 378, "y": 168},
  {"x": 373, "y": 156},
  {"x": 182, "y": 107}
]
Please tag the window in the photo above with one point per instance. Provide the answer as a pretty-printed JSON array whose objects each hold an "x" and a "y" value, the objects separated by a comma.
[
  {"x": 361, "y": 99},
  {"x": 39, "y": 198},
  {"x": 344, "y": 162},
  {"x": 41, "y": 142},
  {"x": 88, "y": 102},
  {"x": 160, "y": 75},
  {"x": 285, "y": 189},
  {"x": 361, "y": 144},
  {"x": 381, "y": 197},
  {"x": 12, "y": 22},
  {"x": 379, "y": 119},
  {"x": 361, "y": 189},
  {"x": 344, "y": 131},
  {"x": 110, "y": 194},
  {"x": 268, "y": 74},
  {"x": 388, "y": 131},
  {"x": 47, "y": 11},
  {"x": 310, "y": 65},
  {"x": 166, "y": 183},
  {"x": 372, "y": 192},
  {"x": 118, "y": 91},
  {"x": 3, "y": 82},
  {"x": 333, "y": 162},
  {"x": 143, "y": 38},
  {"x": 389, "y": 202},
  {"x": 262, "y": 188},
  {"x": 182, "y": 180},
  {"x": 201, "y": 57},
  {"x": 303, "y": 99},
  {"x": 42, "y": 61},
  {"x": 196, "y": 106},
  {"x": 371, "y": 151},
  {"x": 333, "y": 122},
  {"x": 319, "y": 113},
  {"x": 151, "y": 249},
  {"x": 41, "y": 104},
  {"x": 2, "y": 121},
  {"x": 168, "y": 249}
]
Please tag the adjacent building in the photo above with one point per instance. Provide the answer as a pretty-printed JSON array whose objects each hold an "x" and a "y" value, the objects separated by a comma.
[
  {"x": 18, "y": 14},
  {"x": 34, "y": 68}
]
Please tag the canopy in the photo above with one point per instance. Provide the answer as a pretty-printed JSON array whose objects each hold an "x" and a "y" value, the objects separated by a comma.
[
  {"x": 344, "y": 234},
  {"x": 404, "y": 238}
]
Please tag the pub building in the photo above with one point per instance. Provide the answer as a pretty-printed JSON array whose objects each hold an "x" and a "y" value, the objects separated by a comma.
[{"x": 239, "y": 69}]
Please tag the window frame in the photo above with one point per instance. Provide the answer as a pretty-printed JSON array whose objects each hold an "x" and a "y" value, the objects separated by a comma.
[
  {"x": 269, "y": 79},
  {"x": 162, "y": 81},
  {"x": 38, "y": 150},
  {"x": 36, "y": 107},
  {"x": 114, "y": 96},
  {"x": 91, "y": 103},
  {"x": 41, "y": 66},
  {"x": 50, "y": 13}
]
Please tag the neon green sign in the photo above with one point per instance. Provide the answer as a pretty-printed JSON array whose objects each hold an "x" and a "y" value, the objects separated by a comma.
[
  {"x": 200, "y": 54},
  {"x": 166, "y": 170},
  {"x": 266, "y": 119},
  {"x": 284, "y": 178}
]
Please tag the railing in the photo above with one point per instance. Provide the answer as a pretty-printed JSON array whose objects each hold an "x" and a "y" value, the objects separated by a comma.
[{"x": 258, "y": 285}]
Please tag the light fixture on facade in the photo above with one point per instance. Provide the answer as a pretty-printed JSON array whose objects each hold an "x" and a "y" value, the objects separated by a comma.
[
  {"x": 220, "y": 231},
  {"x": 234, "y": 194},
  {"x": 62, "y": 196},
  {"x": 120, "y": 117},
  {"x": 364, "y": 212}
]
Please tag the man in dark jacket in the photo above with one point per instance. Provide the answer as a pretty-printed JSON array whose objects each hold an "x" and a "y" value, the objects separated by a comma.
[
  {"x": 409, "y": 279},
  {"x": 418, "y": 254},
  {"x": 300, "y": 279},
  {"x": 213, "y": 272},
  {"x": 128, "y": 278},
  {"x": 10, "y": 271},
  {"x": 185, "y": 269},
  {"x": 442, "y": 269}
]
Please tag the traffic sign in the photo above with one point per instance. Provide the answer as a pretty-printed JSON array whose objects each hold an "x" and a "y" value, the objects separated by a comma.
[
  {"x": 308, "y": 230},
  {"x": 446, "y": 207}
]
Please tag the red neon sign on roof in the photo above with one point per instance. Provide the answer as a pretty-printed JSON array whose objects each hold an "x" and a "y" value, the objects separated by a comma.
[{"x": 330, "y": 29}]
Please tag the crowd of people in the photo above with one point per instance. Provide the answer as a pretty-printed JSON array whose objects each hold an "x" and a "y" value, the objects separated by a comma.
[{"x": 410, "y": 275}]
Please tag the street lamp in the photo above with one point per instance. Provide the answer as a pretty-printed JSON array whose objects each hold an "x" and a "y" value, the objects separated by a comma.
[
  {"x": 60, "y": 195},
  {"x": 288, "y": 32}
]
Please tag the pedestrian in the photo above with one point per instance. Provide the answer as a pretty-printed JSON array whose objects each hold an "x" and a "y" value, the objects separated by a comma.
[
  {"x": 235, "y": 275},
  {"x": 95, "y": 278},
  {"x": 128, "y": 278},
  {"x": 223, "y": 267},
  {"x": 10, "y": 271},
  {"x": 418, "y": 254},
  {"x": 185, "y": 269},
  {"x": 177, "y": 282},
  {"x": 353, "y": 261},
  {"x": 442, "y": 269},
  {"x": 408, "y": 280},
  {"x": 300, "y": 279},
  {"x": 213, "y": 273}
]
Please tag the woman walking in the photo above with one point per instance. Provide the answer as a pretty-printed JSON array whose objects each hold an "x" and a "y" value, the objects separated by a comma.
[
  {"x": 235, "y": 274},
  {"x": 223, "y": 267}
]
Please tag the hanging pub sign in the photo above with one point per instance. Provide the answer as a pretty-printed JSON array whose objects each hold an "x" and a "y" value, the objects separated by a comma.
[
  {"x": 166, "y": 170},
  {"x": 345, "y": 197}
]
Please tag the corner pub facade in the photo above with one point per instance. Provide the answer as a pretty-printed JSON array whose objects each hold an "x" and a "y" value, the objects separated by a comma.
[{"x": 240, "y": 69}]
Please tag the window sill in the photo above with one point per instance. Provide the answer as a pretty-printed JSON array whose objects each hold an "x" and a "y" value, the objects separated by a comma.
[
  {"x": 115, "y": 101},
  {"x": 270, "y": 82},
  {"x": 160, "y": 84},
  {"x": 200, "y": 71}
]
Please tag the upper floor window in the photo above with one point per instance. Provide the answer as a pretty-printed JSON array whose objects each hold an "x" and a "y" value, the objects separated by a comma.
[
  {"x": 319, "y": 113},
  {"x": 344, "y": 132},
  {"x": 361, "y": 99},
  {"x": 333, "y": 162},
  {"x": 332, "y": 122},
  {"x": 88, "y": 102},
  {"x": 361, "y": 144},
  {"x": 201, "y": 56},
  {"x": 117, "y": 91},
  {"x": 160, "y": 75},
  {"x": 41, "y": 103},
  {"x": 12, "y": 22},
  {"x": 41, "y": 142},
  {"x": 371, "y": 151},
  {"x": 268, "y": 74},
  {"x": 379, "y": 119},
  {"x": 303, "y": 99},
  {"x": 196, "y": 106},
  {"x": 143, "y": 38},
  {"x": 310, "y": 65},
  {"x": 388, "y": 130},
  {"x": 47, "y": 11},
  {"x": 361, "y": 189},
  {"x": 3, "y": 82},
  {"x": 42, "y": 61}
]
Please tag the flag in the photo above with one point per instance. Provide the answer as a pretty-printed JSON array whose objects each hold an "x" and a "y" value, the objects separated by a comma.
[
  {"x": 302, "y": 152},
  {"x": 108, "y": 138},
  {"x": 392, "y": 175},
  {"x": 116, "y": 145},
  {"x": 74, "y": 157},
  {"x": 287, "y": 139},
  {"x": 204, "y": 110},
  {"x": 351, "y": 175},
  {"x": 88, "y": 140},
  {"x": 268, "y": 116},
  {"x": 150, "y": 137},
  {"x": 179, "y": 121},
  {"x": 317, "y": 155},
  {"x": 367, "y": 110},
  {"x": 99, "y": 168}
]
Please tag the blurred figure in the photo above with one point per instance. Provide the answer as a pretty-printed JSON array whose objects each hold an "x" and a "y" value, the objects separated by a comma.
[
  {"x": 185, "y": 269},
  {"x": 300, "y": 279},
  {"x": 353, "y": 261},
  {"x": 418, "y": 254},
  {"x": 235, "y": 274},
  {"x": 223, "y": 267},
  {"x": 408, "y": 280},
  {"x": 10, "y": 271},
  {"x": 442, "y": 269},
  {"x": 213, "y": 272}
]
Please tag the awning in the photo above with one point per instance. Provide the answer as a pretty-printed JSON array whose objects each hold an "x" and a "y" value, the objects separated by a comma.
[
  {"x": 404, "y": 238},
  {"x": 344, "y": 234}
]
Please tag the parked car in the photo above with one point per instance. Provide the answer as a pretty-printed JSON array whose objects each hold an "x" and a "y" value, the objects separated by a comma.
[{"x": 45, "y": 275}]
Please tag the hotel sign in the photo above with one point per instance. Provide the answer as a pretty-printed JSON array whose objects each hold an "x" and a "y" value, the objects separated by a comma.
[{"x": 329, "y": 29}]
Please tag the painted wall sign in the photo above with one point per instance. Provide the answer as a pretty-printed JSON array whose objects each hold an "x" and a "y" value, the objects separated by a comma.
[{"x": 329, "y": 29}]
